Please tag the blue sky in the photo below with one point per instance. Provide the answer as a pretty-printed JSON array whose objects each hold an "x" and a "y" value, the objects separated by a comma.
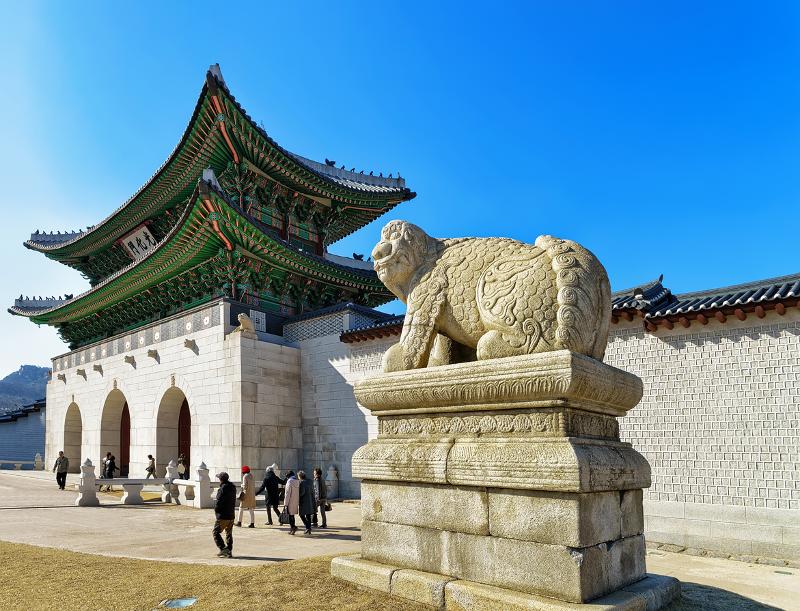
[{"x": 663, "y": 136}]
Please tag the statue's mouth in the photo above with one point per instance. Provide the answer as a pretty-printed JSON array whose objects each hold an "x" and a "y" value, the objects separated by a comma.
[{"x": 381, "y": 264}]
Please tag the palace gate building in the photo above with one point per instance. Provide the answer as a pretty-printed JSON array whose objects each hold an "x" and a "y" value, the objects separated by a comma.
[{"x": 232, "y": 223}]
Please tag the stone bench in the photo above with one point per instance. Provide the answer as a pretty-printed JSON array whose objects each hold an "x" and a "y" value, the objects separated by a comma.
[
  {"x": 132, "y": 487},
  {"x": 37, "y": 463}
]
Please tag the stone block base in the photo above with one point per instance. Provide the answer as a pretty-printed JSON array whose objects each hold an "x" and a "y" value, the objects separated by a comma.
[
  {"x": 442, "y": 592},
  {"x": 558, "y": 571}
]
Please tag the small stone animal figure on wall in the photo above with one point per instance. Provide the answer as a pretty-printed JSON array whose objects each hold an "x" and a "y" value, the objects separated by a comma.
[
  {"x": 486, "y": 298},
  {"x": 246, "y": 327}
]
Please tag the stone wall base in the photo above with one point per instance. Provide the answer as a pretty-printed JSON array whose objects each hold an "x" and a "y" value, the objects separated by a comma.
[{"x": 443, "y": 592}]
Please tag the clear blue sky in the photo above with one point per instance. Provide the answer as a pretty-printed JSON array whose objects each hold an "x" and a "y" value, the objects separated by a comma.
[{"x": 664, "y": 136}]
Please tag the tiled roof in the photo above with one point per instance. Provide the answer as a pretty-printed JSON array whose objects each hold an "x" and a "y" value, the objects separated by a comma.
[
  {"x": 385, "y": 328},
  {"x": 375, "y": 185},
  {"x": 353, "y": 180},
  {"x": 654, "y": 301},
  {"x": 657, "y": 301},
  {"x": 339, "y": 307}
]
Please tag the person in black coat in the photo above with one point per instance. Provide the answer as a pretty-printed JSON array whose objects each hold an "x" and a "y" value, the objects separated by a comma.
[
  {"x": 110, "y": 468},
  {"x": 306, "y": 501},
  {"x": 271, "y": 493},
  {"x": 225, "y": 512}
]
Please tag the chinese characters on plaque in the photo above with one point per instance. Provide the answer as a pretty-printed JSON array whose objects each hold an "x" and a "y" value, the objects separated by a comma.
[{"x": 138, "y": 242}]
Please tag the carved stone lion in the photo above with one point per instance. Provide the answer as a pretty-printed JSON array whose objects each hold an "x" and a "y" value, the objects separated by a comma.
[
  {"x": 485, "y": 298},
  {"x": 245, "y": 327}
]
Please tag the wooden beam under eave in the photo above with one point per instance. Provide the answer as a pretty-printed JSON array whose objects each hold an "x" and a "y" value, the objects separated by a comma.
[
  {"x": 615, "y": 319},
  {"x": 720, "y": 316},
  {"x": 739, "y": 313},
  {"x": 760, "y": 312},
  {"x": 702, "y": 318},
  {"x": 780, "y": 309},
  {"x": 649, "y": 326},
  {"x": 684, "y": 322},
  {"x": 668, "y": 324},
  {"x": 627, "y": 316}
]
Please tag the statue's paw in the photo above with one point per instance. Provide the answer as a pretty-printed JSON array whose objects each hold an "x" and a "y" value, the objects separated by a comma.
[{"x": 393, "y": 359}]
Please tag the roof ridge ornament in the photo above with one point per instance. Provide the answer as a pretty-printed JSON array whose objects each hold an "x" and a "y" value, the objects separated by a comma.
[{"x": 216, "y": 72}]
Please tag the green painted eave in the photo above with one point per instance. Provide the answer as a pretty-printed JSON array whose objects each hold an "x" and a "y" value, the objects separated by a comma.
[{"x": 198, "y": 237}]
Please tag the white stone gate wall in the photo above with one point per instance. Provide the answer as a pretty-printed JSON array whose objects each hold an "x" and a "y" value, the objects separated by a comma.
[
  {"x": 243, "y": 394},
  {"x": 271, "y": 413},
  {"x": 334, "y": 424},
  {"x": 720, "y": 425}
]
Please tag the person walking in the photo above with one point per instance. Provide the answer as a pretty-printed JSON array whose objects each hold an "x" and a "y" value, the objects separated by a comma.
[
  {"x": 151, "y": 467},
  {"x": 224, "y": 511},
  {"x": 306, "y": 501},
  {"x": 183, "y": 472},
  {"x": 111, "y": 467},
  {"x": 60, "y": 468},
  {"x": 247, "y": 497},
  {"x": 271, "y": 492},
  {"x": 103, "y": 465},
  {"x": 320, "y": 497},
  {"x": 291, "y": 500}
]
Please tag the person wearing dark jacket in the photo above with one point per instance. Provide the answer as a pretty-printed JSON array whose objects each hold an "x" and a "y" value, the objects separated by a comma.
[
  {"x": 320, "y": 497},
  {"x": 271, "y": 493},
  {"x": 306, "y": 501},
  {"x": 225, "y": 512},
  {"x": 111, "y": 468}
]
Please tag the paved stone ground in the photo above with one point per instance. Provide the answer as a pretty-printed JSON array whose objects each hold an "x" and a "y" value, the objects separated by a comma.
[{"x": 34, "y": 511}]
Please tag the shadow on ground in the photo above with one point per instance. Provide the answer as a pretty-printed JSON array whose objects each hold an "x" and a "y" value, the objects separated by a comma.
[{"x": 697, "y": 597}]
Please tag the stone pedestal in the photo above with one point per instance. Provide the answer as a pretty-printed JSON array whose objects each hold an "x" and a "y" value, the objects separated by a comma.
[{"x": 504, "y": 480}]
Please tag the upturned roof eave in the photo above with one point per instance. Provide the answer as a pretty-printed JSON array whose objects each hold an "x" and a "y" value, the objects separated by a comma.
[
  {"x": 62, "y": 251},
  {"x": 50, "y": 315}
]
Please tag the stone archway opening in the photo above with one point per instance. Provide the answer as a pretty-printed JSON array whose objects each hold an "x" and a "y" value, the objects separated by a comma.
[
  {"x": 73, "y": 437},
  {"x": 173, "y": 429},
  {"x": 115, "y": 431}
]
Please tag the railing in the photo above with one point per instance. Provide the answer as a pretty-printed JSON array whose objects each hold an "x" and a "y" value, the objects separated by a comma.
[
  {"x": 37, "y": 463},
  {"x": 197, "y": 493}
]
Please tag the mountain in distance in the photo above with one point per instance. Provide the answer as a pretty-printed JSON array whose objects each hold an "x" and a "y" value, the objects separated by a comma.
[{"x": 22, "y": 387}]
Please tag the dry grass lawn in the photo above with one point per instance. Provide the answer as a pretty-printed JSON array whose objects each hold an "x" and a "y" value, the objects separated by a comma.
[{"x": 33, "y": 578}]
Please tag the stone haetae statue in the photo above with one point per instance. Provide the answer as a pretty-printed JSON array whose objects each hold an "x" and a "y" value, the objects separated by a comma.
[
  {"x": 245, "y": 327},
  {"x": 500, "y": 483},
  {"x": 482, "y": 298}
]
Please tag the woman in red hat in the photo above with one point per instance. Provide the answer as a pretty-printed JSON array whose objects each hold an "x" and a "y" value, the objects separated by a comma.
[{"x": 247, "y": 497}]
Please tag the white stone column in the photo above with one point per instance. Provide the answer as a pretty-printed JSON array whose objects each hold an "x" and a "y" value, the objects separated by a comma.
[
  {"x": 203, "y": 497},
  {"x": 87, "y": 493},
  {"x": 170, "y": 494}
]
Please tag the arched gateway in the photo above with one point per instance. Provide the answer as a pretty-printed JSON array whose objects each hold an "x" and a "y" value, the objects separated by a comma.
[
  {"x": 73, "y": 437},
  {"x": 173, "y": 429},
  {"x": 115, "y": 430}
]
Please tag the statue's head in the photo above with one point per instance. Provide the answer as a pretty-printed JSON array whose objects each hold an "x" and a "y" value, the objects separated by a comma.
[
  {"x": 242, "y": 317},
  {"x": 403, "y": 249}
]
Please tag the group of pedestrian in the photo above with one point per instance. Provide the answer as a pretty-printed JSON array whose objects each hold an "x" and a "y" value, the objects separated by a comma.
[
  {"x": 303, "y": 497},
  {"x": 108, "y": 469},
  {"x": 306, "y": 498}
]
